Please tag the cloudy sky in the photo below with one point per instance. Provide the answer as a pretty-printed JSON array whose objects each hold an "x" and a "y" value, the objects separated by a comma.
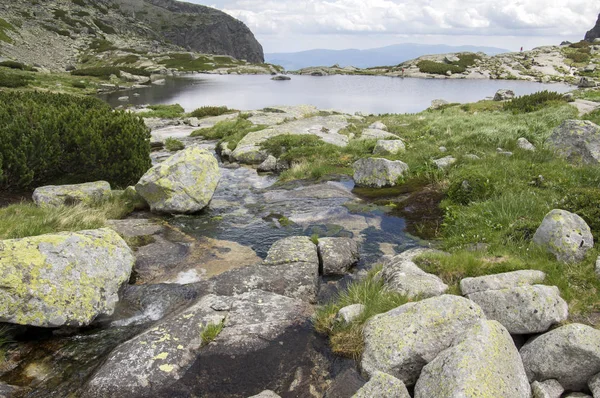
[{"x": 295, "y": 25}]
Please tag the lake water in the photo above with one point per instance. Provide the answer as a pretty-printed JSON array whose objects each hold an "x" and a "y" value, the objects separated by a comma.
[{"x": 367, "y": 94}]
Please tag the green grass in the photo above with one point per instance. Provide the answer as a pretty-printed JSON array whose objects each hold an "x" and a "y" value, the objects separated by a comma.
[
  {"x": 5, "y": 26},
  {"x": 164, "y": 111},
  {"x": 14, "y": 81},
  {"x": 27, "y": 219},
  {"x": 15, "y": 65},
  {"x": 174, "y": 145},
  {"x": 230, "y": 131},
  {"x": 5, "y": 339},
  {"x": 439, "y": 68},
  {"x": 186, "y": 62},
  {"x": 347, "y": 339},
  {"x": 206, "y": 111},
  {"x": 127, "y": 59},
  {"x": 210, "y": 332}
]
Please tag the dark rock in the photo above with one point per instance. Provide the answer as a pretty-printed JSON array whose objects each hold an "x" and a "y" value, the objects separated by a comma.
[{"x": 594, "y": 33}]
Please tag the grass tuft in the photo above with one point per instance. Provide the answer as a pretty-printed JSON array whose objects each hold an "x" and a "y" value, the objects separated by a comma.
[
  {"x": 210, "y": 332},
  {"x": 174, "y": 145}
]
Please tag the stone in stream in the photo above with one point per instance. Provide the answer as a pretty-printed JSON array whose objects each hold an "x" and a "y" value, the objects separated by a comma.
[
  {"x": 64, "y": 279},
  {"x": 389, "y": 147},
  {"x": 547, "y": 389},
  {"x": 566, "y": 235},
  {"x": 577, "y": 141},
  {"x": 524, "y": 309},
  {"x": 337, "y": 255},
  {"x": 505, "y": 280},
  {"x": 378, "y": 172},
  {"x": 569, "y": 354},
  {"x": 402, "y": 341},
  {"x": 382, "y": 385},
  {"x": 59, "y": 195},
  {"x": 404, "y": 276},
  {"x": 293, "y": 249},
  {"x": 183, "y": 183},
  {"x": 482, "y": 362}
]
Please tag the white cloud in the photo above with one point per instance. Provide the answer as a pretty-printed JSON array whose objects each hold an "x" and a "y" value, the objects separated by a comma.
[{"x": 303, "y": 19}]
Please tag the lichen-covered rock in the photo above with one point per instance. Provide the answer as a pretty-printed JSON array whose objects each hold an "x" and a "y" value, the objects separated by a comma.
[
  {"x": 483, "y": 362},
  {"x": 505, "y": 280},
  {"x": 382, "y": 385},
  {"x": 405, "y": 277},
  {"x": 444, "y": 163},
  {"x": 389, "y": 147},
  {"x": 375, "y": 134},
  {"x": 378, "y": 172},
  {"x": 292, "y": 250},
  {"x": 547, "y": 389},
  {"x": 504, "y": 95},
  {"x": 578, "y": 141},
  {"x": 594, "y": 385},
  {"x": 337, "y": 255},
  {"x": 266, "y": 394},
  {"x": 59, "y": 195},
  {"x": 569, "y": 354},
  {"x": 64, "y": 279},
  {"x": 184, "y": 183},
  {"x": 401, "y": 341},
  {"x": 524, "y": 309},
  {"x": 349, "y": 313},
  {"x": 566, "y": 235},
  {"x": 378, "y": 126}
]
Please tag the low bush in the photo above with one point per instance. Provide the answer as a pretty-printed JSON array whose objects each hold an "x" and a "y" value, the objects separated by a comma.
[
  {"x": 230, "y": 131},
  {"x": 206, "y": 111},
  {"x": 128, "y": 59},
  {"x": 104, "y": 27},
  {"x": 469, "y": 186},
  {"x": 101, "y": 45},
  {"x": 62, "y": 32},
  {"x": 15, "y": 65},
  {"x": 79, "y": 85},
  {"x": 173, "y": 145},
  {"x": 533, "y": 102},
  {"x": 105, "y": 71},
  {"x": 581, "y": 44},
  {"x": 439, "y": 68},
  {"x": 45, "y": 136},
  {"x": 164, "y": 111},
  {"x": 4, "y": 26},
  {"x": 578, "y": 57},
  {"x": 14, "y": 81}
]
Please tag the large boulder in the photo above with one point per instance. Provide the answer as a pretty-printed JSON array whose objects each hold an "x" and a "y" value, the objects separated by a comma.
[
  {"x": 337, "y": 255},
  {"x": 64, "y": 279},
  {"x": 59, "y": 195},
  {"x": 382, "y": 385},
  {"x": 525, "y": 309},
  {"x": 184, "y": 183},
  {"x": 402, "y": 341},
  {"x": 484, "y": 362},
  {"x": 564, "y": 234},
  {"x": 569, "y": 354},
  {"x": 378, "y": 172},
  {"x": 578, "y": 141},
  {"x": 504, "y": 95},
  {"x": 405, "y": 277},
  {"x": 505, "y": 280},
  {"x": 389, "y": 147},
  {"x": 292, "y": 250}
]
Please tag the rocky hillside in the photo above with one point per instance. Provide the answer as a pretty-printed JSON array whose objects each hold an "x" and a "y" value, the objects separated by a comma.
[
  {"x": 594, "y": 33},
  {"x": 58, "y": 33}
]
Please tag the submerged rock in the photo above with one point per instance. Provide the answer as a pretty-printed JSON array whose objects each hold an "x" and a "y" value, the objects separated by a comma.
[
  {"x": 566, "y": 235},
  {"x": 281, "y": 78},
  {"x": 569, "y": 354},
  {"x": 402, "y": 341},
  {"x": 378, "y": 172},
  {"x": 59, "y": 195},
  {"x": 64, "y": 279},
  {"x": 577, "y": 141},
  {"x": 382, "y": 385},
  {"x": 337, "y": 255},
  {"x": 484, "y": 362},
  {"x": 184, "y": 183}
]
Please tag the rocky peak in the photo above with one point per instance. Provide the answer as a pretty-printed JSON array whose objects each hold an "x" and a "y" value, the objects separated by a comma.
[{"x": 594, "y": 33}]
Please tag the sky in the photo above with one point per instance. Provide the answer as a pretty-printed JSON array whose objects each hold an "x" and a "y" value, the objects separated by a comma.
[{"x": 297, "y": 25}]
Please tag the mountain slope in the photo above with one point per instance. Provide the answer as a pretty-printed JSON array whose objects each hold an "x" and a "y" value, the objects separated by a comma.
[
  {"x": 390, "y": 55},
  {"x": 594, "y": 33}
]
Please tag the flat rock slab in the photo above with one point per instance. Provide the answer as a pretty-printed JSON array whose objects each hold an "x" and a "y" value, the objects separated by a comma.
[
  {"x": 505, "y": 280},
  {"x": 60, "y": 195},
  {"x": 295, "y": 249},
  {"x": 278, "y": 114}
]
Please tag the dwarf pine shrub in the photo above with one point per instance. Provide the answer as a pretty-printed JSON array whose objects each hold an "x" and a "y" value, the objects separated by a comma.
[{"x": 46, "y": 136}]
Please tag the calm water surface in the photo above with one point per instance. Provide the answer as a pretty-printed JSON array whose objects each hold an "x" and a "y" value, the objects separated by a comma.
[{"x": 367, "y": 94}]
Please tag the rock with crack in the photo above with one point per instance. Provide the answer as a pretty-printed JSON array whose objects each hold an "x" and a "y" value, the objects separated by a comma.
[
  {"x": 504, "y": 95},
  {"x": 402, "y": 341},
  {"x": 483, "y": 362}
]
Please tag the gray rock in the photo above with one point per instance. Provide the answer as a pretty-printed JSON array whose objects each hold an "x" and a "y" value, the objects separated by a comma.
[
  {"x": 266, "y": 394},
  {"x": 292, "y": 250},
  {"x": 483, "y": 362},
  {"x": 594, "y": 385},
  {"x": 270, "y": 164},
  {"x": 374, "y": 134},
  {"x": 577, "y": 141},
  {"x": 382, "y": 385},
  {"x": 438, "y": 103},
  {"x": 564, "y": 234},
  {"x": 505, "y": 280},
  {"x": 577, "y": 395},
  {"x": 192, "y": 121},
  {"x": 586, "y": 82},
  {"x": 524, "y": 144},
  {"x": 547, "y": 389},
  {"x": 281, "y": 78},
  {"x": 9, "y": 391},
  {"x": 123, "y": 99},
  {"x": 444, "y": 163},
  {"x": 569, "y": 354},
  {"x": 504, "y": 95},
  {"x": 400, "y": 342},
  {"x": 183, "y": 183},
  {"x": 405, "y": 277},
  {"x": 378, "y": 172},
  {"x": 59, "y": 195},
  {"x": 349, "y": 313},
  {"x": 590, "y": 68},
  {"x": 378, "y": 126},
  {"x": 524, "y": 309},
  {"x": 471, "y": 156},
  {"x": 337, "y": 255},
  {"x": 64, "y": 279},
  {"x": 389, "y": 147},
  {"x": 450, "y": 59},
  {"x": 443, "y": 149}
]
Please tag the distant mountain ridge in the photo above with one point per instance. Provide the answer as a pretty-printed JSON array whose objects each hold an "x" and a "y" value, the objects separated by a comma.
[{"x": 389, "y": 55}]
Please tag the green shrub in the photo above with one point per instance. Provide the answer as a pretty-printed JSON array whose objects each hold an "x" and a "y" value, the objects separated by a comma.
[
  {"x": 173, "y": 145},
  {"x": 578, "y": 57},
  {"x": 102, "y": 71},
  {"x": 80, "y": 3},
  {"x": 14, "y": 81},
  {"x": 82, "y": 13},
  {"x": 128, "y": 59},
  {"x": 210, "y": 111},
  {"x": 470, "y": 186},
  {"x": 533, "y": 102},
  {"x": 439, "y": 68},
  {"x": 15, "y": 65},
  {"x": 230, "y": 131},
  {"x": 101, "y": 45},
  {"x": 164, "y": 111},
  {"x": 104, "y": 27},
  {"x": 79, "y": 85},
  {"x": 45, "y": 136},
  {"x": 54, "y": 29},
  {"x": 4, "y": 26},
  {"x": 581, "y": 44},
  {"x": 296, "y": 147}
]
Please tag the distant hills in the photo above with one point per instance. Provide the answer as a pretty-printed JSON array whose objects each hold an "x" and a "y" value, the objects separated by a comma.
[{"x": 390, "y": 55}]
